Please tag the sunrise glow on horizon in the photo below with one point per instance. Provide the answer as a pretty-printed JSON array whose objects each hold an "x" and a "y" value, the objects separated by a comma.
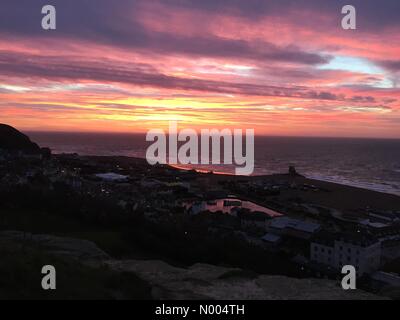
[{"x": 281, "y": 67}]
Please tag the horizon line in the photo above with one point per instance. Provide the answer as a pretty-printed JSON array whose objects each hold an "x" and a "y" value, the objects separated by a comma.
[{"x": 256, "y": 135}]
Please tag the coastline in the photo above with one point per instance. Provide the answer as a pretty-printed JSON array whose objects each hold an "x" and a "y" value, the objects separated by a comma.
[
  {"x": 344, "y": 161},
  {"x": 319, "y": 180},
  {"x": 335, "y": 195},
  {"x": 316, "y": 177}
]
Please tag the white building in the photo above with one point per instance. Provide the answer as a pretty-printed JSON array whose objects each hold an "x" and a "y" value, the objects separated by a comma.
[
  {"x": 364, "y": 254},
  {"x": 292, "y": 227}
]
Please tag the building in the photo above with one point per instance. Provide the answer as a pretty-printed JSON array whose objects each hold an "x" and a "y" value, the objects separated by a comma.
[
  {"x": 112, "y": 177},
  {"x": 385, "y": 217},
  {"x": 250, "y": 219},
  {"x": 271, "y": 239},
  {"x": 390, "y": 250},
  {"x": 336, "y": 251},
  {"x": 292, "y": 227}
]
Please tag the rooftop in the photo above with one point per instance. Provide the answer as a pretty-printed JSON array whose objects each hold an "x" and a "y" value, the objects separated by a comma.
[
  {"x": 110, "y": 176},
  {"x": 286, "y": 222}
]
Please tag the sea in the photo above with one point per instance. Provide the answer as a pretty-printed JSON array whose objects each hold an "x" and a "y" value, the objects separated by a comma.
[{"x": 367, "y": 163}]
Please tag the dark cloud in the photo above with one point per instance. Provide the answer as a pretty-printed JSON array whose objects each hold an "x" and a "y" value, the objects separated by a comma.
[
  {"x": 392, "y": 65},
  {"x": 362, "y": 99},
  {"x": 66, "y": 69},
  {"x": 5, "y": 91},
  {"x": 40, "y": 107},
  {"x": 371, "y": 14},
  {"x": 113, "y": 23},
  {"x": 324, "y": 95}
]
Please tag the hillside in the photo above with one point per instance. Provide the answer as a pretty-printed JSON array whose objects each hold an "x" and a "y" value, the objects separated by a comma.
[
  {"x": 13, "y": 140},
  {"x": 92, "y": 268}
]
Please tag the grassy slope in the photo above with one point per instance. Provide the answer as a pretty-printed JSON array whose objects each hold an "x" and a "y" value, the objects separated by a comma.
[
  {"x": 20, "y": 267},
  {"x": 20, "y": 270}
]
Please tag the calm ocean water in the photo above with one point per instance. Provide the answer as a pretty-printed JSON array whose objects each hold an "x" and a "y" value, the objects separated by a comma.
[{"x": 369, "y": 163}]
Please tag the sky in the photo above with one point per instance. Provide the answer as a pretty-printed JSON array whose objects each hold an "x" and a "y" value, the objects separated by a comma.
[{"x": 280, "y": 67}]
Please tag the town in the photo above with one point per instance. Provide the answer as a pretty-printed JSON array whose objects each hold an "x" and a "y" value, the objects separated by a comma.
[{"x": 278, "y": 224}]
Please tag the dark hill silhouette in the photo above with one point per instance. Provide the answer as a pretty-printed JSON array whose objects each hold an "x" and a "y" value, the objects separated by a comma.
[{"x": 13, "y": 140}]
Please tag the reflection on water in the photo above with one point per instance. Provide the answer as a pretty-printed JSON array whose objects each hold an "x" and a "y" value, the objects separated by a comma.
[{"x": 226, "y": 206}]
